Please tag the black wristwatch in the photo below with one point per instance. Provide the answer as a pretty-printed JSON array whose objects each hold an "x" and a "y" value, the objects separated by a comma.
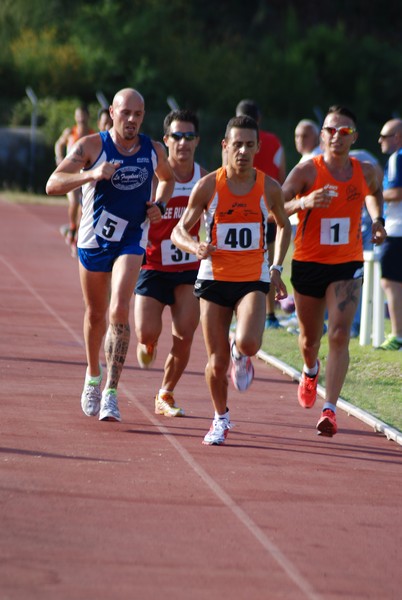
[
  {"x": 162, "y": 206},
  {"x": 380, "y": 220}
]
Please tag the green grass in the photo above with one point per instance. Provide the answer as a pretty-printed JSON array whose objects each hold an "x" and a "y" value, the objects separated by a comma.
[
  {"x": 373, "y": 382},
  {"x": 374, "y": 379},
  {"x": 18, "y": 197}
]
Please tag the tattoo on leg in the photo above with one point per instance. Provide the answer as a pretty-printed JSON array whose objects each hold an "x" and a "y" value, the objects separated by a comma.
[
  {"x": 345, "y": 292},
  {"x": 116, "y": 347}
]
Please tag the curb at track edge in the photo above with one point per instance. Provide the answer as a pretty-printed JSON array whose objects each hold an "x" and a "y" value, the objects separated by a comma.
[{"x": 379, "y": 426}]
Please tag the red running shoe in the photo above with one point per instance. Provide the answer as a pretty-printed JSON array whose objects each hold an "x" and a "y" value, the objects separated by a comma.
[
  {"x": 307, "y": 390},
  {"x": 326, "y": 425}
]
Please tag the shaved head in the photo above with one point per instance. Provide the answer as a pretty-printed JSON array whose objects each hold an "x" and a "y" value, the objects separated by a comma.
[
  {"x": 127, "y": 112},
  {"x": 127, "y": 94},
  {"x": 393, "y": 126}
]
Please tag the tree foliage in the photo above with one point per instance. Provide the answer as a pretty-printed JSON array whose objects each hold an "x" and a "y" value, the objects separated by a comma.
[{"x": 295, "y": 59}]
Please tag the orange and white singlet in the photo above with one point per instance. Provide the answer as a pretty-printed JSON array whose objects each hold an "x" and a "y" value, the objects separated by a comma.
[
  {"x": 74, "y": 136},
  {"x": 332, "y": 235},
  {"x": 236, "y": 225}
]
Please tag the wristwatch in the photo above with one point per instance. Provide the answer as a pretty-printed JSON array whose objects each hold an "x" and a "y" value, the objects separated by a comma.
[
  {"x": 161, "y": 205},
  {"x": 276, "y": 268}
]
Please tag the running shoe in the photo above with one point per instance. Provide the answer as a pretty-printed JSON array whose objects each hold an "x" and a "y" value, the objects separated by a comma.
[
  {"x": 307, "y": 390},
  {"x": 146, "y": 355},
  {"x": 91, "y": 396},
  {"x": 391, "y": 343},
  {"x": 326, "y": 425},
  {"x": 109, "y": 411},
  {"x": 218, "y": 432},
  {"x": 242, "y": 371},
  {"x": 164, "y": 405}
]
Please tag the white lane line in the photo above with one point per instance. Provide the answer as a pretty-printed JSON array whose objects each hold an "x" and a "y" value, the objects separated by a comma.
[
  {"x": 273, "y": 550},
  {"x": 42, "y": 301},
  {"x": 379, "y": 426},
  {"x": 286, "y": 565}
]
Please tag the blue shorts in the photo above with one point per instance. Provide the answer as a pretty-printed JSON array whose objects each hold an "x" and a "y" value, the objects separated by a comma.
[
  {"x": 101, "y": 260},
  {"x": 312, "y": 279},
  {"x": 161, "y": 285},
  {"x": 390, "y": 258},
  {"x": 227, "y": 293}
]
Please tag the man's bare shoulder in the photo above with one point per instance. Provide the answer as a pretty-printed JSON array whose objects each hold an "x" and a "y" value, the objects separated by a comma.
[
  {"x": 205, "y": 186},
  {"x": 86, "y": 149},
  {"x": 271, "y": 184}
]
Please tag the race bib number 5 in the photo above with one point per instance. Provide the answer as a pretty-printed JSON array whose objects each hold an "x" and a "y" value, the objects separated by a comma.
[
  {"x": 238, "y": 236},
  {"x": 335, "y": 232},
  {"x": 171, "y": 255},
  {"x": 109, "y": 227}
]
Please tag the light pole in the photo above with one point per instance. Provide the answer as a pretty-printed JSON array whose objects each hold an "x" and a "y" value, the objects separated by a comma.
[{"x": 34, "y": 120}]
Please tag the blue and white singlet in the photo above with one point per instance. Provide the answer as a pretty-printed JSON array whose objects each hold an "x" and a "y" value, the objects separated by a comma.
[{"x": 114, "y": 211}]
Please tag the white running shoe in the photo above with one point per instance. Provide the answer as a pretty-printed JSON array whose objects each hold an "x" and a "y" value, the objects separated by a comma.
[
  {"x": 165, "y": 405},
  {"x": 109, "y": 411},
  {"x": 218, "y": 432},
  {"x": 91, "y": 396},
  {"x": 146, "y": 355},
  {"x": 242, "y": 371}
]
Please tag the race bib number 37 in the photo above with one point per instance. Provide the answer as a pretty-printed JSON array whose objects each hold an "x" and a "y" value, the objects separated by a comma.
[
  {"x": 335, "y": 232},
  {"x": 238, "y": 236},
  {"x": 171, "y": 255},
  {"x": 109, "y": 227}
]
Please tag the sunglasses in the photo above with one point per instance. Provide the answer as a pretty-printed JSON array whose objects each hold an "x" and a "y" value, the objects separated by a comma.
[
  {"x": 341, "y": 130},
  {"x": 189, "y": 136}
]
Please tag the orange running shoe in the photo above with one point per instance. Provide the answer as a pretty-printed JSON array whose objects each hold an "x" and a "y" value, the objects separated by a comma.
[
  {"x": 307, "y": 390},
  {"x": 326, "y": 425}
]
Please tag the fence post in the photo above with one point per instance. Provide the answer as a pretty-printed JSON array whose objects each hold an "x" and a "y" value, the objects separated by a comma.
[{"x": 372, "y": 315}]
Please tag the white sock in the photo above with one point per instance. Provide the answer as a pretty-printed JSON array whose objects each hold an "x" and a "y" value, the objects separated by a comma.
[
  {"x": 95, "y": 380},
  {"x": 311, "y": 372},
  {"x": 224, "y": 416}
]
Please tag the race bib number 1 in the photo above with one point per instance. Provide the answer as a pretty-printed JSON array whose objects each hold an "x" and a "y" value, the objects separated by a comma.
[
  {"x": 335, "y": 232},
  {"x": 109, "y": 227}
]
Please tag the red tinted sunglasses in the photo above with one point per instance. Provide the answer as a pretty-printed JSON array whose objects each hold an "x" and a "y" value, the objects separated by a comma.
[{"x": 341, "y": 130}]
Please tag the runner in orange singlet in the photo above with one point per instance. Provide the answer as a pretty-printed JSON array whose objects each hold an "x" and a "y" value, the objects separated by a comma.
[
  {"x": 234, "y": 275},
  {"x": 328, "y": 192},
  {"x": 62, "y": 147}
]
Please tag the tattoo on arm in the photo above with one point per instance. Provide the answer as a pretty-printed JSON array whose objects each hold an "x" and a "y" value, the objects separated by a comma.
[{"x": 77, "y": 154}]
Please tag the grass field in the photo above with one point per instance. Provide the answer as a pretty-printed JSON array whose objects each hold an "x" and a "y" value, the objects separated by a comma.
[{"x": 374, "y": 380}]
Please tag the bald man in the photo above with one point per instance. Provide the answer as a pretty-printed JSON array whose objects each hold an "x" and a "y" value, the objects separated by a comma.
[
  {"x": 115, "y": 169},
  {"x": 307, "y": 139},
  {"x": 390, "y": 141}
]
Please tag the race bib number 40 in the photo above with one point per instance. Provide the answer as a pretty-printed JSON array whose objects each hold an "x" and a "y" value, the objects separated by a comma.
[
  {"x": 238, "y": 236},
  {"x": 335, "y": 232},
  {"x": 109, "y": 227}
]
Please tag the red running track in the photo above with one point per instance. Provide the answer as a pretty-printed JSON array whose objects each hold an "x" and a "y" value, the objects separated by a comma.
[{"x": 141, "y": 509}]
